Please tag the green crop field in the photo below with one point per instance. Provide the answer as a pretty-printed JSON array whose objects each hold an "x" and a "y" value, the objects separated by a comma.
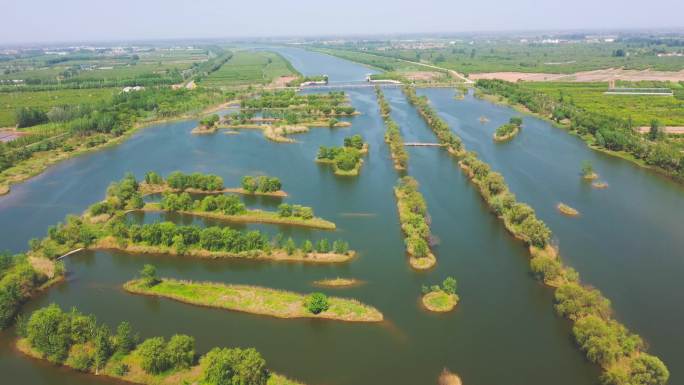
[
  {"x": 248, "y": 67},
  {"x": 642, "y": 109},
  {"x": 11, "y": 101}
]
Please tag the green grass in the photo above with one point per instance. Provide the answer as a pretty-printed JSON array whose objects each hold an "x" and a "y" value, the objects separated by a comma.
[
  {"x": 440, "y": 301},
  {"x": 255, "y": 300},
  {"x": 641, "y": 108},
  {"x": 249, "y": 67},
  {"x": 11, "y": 101}
]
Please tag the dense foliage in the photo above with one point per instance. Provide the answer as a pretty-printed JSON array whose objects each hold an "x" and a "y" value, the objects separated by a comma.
[
  {"x": 81, "y": 342},
  {"x": 392, "y": 134},
  {"x": 261, "y": 184},
  {"x": 17, "y": 280},
  {"x": 346, "y": 158},
  {"x": 317, "y": 303},
  {"x": 437, "y": 124},
  {"x": 509, "y": 129},
  {"x": 413, "y": 217}
]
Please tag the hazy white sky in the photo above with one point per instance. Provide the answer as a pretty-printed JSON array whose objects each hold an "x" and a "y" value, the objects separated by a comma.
[{"x": 83, "y": 20}]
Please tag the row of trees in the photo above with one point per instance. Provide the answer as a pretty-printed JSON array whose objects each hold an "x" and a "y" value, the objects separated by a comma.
[
  {"x": 226, "y": 204},
  {"x": 607, "y": 132},
  {"x": 84, "y": 344},
  {"x": 437, "y": 124},
  {"x": 218, "y": 239},
  {"x": 286, "y": 210},
  {"x": 449, "y": 286},
  {"x": 413, "y": 217},
  {"x": 205, "y": 182},
  {"x": 604, "y": 340},
  {"x": 313, "y": 104},
  {"x": 392, "y": 133},
  {"x": 261, "y": 184}
]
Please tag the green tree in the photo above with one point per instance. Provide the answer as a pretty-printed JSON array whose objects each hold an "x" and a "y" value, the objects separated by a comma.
[
  {"x": 148, "y": 275},
  {"x": 49, "y": 332},
  {"x": 153, "y": 355},
  {"x": 103, "y": 347},
  {"x": 317, "y": 303},
  {"x": 181, "y": 351},
  {"x": 449, "y": 285},
  {"x": 125, "y": 340},
  {"x": 654, "y": 130}
]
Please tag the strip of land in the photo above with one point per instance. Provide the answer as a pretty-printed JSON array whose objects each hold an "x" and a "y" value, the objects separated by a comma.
[{"x": 255, "y": 300}]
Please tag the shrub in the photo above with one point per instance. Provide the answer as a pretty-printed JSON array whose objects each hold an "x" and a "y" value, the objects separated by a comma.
[
  {"x": 317, "y": 303},
  {"x": 148, "y": 274},
  {"x": 153, "y": 355},
  {"x": 181, "y": 351},
  {"x": 575, "y": 301}
]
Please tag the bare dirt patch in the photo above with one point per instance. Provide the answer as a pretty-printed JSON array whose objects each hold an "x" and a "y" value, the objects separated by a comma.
[
  {"x": 423, "y": 75},
  {"x": 282, "y": 81},
  {"x": 677, "y": 130},
  {"x": 603, "y": 75}
]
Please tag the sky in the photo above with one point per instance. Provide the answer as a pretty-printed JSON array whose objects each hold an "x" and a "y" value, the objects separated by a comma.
[{"x": 26, "y": 21}]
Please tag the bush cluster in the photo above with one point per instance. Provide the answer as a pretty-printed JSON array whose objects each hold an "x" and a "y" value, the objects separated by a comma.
[{"x": 413, "y": 217}]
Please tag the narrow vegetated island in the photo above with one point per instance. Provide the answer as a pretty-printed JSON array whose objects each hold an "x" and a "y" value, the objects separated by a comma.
[
  {"x": 346, "y": 160},
  {"x": 253, "y": 299},
  {"x": 620, "y": 353},
  {"x": 392, "y": 133},
  {"x": 567, "y": 210},
  {"x": 446, "y": 137},
  {"x": 281, "y": 113},
  {"x": 441, "y": 299},
  {"x": 509, "y": 130},
  {"x": 80, "y": 342},
  {"x": 414, "y": 223},
  {"x": 231, "y": 208},
  {"x": 338, "y": 282},
  {"x": 198, "y": 183}
]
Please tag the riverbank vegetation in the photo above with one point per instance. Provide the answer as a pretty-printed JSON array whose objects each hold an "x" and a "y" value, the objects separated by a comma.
[
  {"x": 392, "y": 133},
  {"x": 346, "y": 160},
  {"x": 444, "y": 134},
  {"x": 75, "y": 129},
  {"x": 80, "y": 342},
  {"x": 614, "y": 135},
  {"x": 257, "y": 300},
  {"x": 231, "y": 208},
  {"x": 20, "y": 277},
  {"x": 441, "y": 298},
  {"x": 509, "y": 130},
  {"x": 605, "y": 341},
  {"x": 414, "y": 220}
]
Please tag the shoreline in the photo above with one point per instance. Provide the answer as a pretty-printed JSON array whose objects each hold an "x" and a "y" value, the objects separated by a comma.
[
  {"x": 433, "y": 301},
  {"x": 35, "y": 170},
  {"x": 251, "y": 295},
  {"x": 502, "y": 101}
]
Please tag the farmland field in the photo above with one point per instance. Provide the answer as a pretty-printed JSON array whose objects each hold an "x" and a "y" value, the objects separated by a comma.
[
  {"x": 11, "y": 101},
  {"x": 248, "y": 68},
  {"x": 669, "y": 111}
]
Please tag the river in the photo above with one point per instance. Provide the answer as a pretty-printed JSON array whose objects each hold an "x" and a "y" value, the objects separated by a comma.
[{"x": 503, "y": 331}]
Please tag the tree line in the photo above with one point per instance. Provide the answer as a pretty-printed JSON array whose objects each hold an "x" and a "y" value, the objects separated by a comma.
[
  {"x": 413, "y": 217},
  {"x": 437, "y": 124},
  {"x": 83, "y": 343},
  {"x": 392, "y": 133},
  {"x": 604, "y": 340}
]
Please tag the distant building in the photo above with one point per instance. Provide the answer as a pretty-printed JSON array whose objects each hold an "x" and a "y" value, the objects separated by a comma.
[{"x": 132, "y": 89}]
